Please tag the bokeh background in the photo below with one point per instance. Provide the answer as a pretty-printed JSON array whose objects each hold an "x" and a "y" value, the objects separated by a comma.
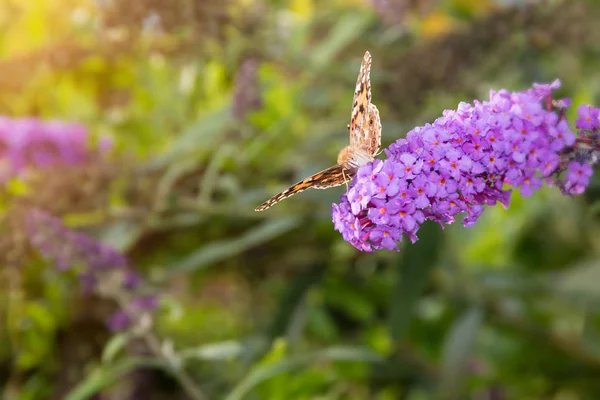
[{"x": 192, "y": 112}]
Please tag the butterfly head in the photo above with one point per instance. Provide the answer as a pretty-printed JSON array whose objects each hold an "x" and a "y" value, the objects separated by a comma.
[{"x": 344, "y": 156}]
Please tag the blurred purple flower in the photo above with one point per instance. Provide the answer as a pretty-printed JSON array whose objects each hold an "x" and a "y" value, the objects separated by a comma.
[
  {"x": 30, "y": 142},
  {"x": 247, "y": 91},
  {"x": 145, "y": 303},
  {"x": 68, "y": 249},
  {"x": 462, "y": 162},
  {"x": 396, "y": 11},
  {"x": 119, "y": 321}
]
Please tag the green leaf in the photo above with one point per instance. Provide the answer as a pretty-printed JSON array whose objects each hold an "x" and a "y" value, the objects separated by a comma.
[
  {"x": 223, "y": 249},
  {"x": 581, "y": 280},
  {"x": 40, "y": 317},
  {"x": 351, "y": 300},
  {"x": 591, "y": 331},
  {"x": 292, "y": 298},
  {"x": 114, "y": 346},
  {"x": 417, "y": 261},
  {"x": 348, "y": 28},
  {"x": 37, "y": 386},
  {"x": 164, "y": 189},
  {"x": 36, "y": 330},
  {"x": 214, "y": 351},
  {"x": 457, "y": 350},
  {"x": 120, "y": 234},
  {"x": 212, "y": 172},
  {"x": 104, "y": 376},
  {"x": 322, "y": 325},
  {"x": 265, "y": 372},
  {"x": 199, "y": 136}
]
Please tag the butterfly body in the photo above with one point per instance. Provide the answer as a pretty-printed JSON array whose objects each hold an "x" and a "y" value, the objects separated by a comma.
[
  {"x": 357, "y": 154},
  {"x": 365, "y": 141}
]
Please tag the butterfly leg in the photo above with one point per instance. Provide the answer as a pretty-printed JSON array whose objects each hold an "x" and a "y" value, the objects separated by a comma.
[{"x": 345, "y": 181}]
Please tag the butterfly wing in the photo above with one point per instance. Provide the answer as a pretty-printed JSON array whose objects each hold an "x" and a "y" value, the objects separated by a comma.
[
  {"x": 330, "y": 177},
  {"x": 360, "y": 103},
  {"x": 365, "y": 125},
  {"x": 372, "y": 134}
]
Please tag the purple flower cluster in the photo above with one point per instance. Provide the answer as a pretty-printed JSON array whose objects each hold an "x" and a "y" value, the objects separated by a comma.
[
  {"x": 95, "y": 261},
  {"x": 67, "y": 248},
  {"x": 466, "y": 159},
  {"x": 30, "y": 142}
]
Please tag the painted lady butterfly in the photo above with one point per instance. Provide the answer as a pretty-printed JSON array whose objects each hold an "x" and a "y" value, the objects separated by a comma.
[{"x": 365, "y": 141}]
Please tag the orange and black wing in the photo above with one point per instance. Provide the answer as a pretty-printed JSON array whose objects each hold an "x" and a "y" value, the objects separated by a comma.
[
  {"x": 330, "y": 177},
  {"x": 372, "y": 134},
  {"x": 365, "y": 125},
  {"x": 360, "y": 103}
]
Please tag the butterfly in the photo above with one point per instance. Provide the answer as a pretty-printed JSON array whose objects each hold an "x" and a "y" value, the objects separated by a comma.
[{"x": 365, "y": 141}]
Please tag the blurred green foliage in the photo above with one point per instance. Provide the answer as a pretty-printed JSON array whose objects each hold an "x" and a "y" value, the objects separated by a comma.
[{"x": 215, "y": 106}]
